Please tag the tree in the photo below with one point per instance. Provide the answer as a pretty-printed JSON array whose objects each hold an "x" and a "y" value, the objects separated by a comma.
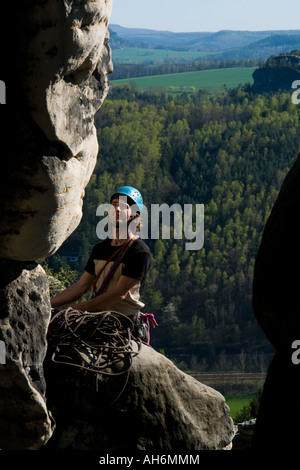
[{"x": 229, "y": 151}]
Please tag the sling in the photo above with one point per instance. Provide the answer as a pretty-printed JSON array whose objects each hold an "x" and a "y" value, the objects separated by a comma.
[{"x": 120, "y": 252}]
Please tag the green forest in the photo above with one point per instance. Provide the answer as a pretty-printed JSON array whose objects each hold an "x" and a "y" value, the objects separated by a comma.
[{"x": 229, "y": 151}]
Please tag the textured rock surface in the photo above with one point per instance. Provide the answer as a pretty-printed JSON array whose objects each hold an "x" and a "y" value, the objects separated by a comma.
[
  {"x": 55, "y": 64},
  {"x": 24, "y": 318},
  {"x": 161, "y": 409},
  {"x": 62, "y": 50}
]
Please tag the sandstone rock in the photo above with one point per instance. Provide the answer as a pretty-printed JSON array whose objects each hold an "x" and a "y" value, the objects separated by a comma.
[
  {"x": 161, "y": 409},
  {"x": 268, "y": 79},
  {"x": 277, "y": 309},
  {"x": 62, "y": 50},
  {"x": 24, "y": 318},
  {"x": 55, "y": 66},
  {"x": 276, "y": 426},
  {"x": 275, "y": 283},
  {"x": 244, "y": 435}
]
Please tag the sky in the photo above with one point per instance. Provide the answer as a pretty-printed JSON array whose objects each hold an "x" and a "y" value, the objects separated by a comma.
[{"x": 207, "y": 15}]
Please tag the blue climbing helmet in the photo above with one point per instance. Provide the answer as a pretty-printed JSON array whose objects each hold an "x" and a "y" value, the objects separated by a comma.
[{"x": 131, "y": 193}]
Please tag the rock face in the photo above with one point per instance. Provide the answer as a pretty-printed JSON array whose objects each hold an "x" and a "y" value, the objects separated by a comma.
[
  {"x": 56, "y": 62},
  {"x": 275, "y": 283},
  {"x": 65, "y": 62},
  {"x": 278, "y": 73},
  {"x": 24, "y": 314},
  {"x": 274, "y": 79},
  {"x": 276, "y": 306},
  {"x": 161, "y": 409}
]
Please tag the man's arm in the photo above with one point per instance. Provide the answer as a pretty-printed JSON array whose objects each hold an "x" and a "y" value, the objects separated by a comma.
[
  {"x": 104, "y": 301},
  {"x": 75, "y": 291}
]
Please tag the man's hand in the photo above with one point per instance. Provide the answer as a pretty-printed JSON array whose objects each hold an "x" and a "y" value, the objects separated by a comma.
[{"x": 103, "y": 301}]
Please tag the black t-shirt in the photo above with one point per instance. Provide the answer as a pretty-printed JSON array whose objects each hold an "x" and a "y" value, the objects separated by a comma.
[{"x": 135, "y": 263}]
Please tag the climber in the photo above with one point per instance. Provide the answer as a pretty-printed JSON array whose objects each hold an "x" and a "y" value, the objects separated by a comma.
[{"x": 117, "y": 267}]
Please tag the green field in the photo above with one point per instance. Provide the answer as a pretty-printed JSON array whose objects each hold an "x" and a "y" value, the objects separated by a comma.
[
  {"x": 204, "y": 79},
  {"x": 238, "y": 388},
  {"x": 237, "y": 403},
  {"x": 138, "y": 55}
]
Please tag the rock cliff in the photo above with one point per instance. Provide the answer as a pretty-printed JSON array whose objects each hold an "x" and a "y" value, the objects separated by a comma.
[
  {"x": 276, "y": 307},
  {"x": 160, "y": 409},
  {"x": 278, "y": 73},
  {"x": 57, "y": 62},
  {"x": 275, "y": 283},
  {"x": 64, "y": 59}
]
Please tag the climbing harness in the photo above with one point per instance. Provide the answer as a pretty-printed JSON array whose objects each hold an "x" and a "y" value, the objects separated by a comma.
[{"x": 142, "y": 326}]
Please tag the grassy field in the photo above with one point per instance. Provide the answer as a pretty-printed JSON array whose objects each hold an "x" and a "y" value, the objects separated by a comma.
[
  {"x": 204, "y": 79},
  {"x": 138, "y": 55},
  {"x": 238, "y": 388},
  {"x": 237, "y": 403}
]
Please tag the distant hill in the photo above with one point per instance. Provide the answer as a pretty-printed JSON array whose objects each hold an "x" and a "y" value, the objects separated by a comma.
[
  {"x": 264, "y": 48},
  {"x": 118, "y": 42},
  {"x": 218, "y": 42},
  {"x": 158, "y": 39}
]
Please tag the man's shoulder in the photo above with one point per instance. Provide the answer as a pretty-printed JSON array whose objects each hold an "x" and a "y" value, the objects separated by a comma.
[
  {"x": 101, "y": 246},
  {"x": 140, "y": 245},
  {"x": 102, "y": 243},
  {"x": 104, "y": 246}
]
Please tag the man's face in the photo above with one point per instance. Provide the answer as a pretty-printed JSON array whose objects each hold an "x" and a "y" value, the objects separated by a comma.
[{"x": 120, "y": 212}]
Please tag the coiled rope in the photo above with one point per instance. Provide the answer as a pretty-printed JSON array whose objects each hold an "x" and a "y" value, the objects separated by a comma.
[{"x": 99, "y": 342}]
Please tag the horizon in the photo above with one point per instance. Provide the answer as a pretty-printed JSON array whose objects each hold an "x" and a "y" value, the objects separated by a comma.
[
  {"x": 204, "y": 32},
  {"x": 199, "y": 16}
]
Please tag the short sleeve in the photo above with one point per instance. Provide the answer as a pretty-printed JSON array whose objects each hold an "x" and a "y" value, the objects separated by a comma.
[
  {"x": 138, "y": 266},
  {"x": 90, "y": 265}
]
